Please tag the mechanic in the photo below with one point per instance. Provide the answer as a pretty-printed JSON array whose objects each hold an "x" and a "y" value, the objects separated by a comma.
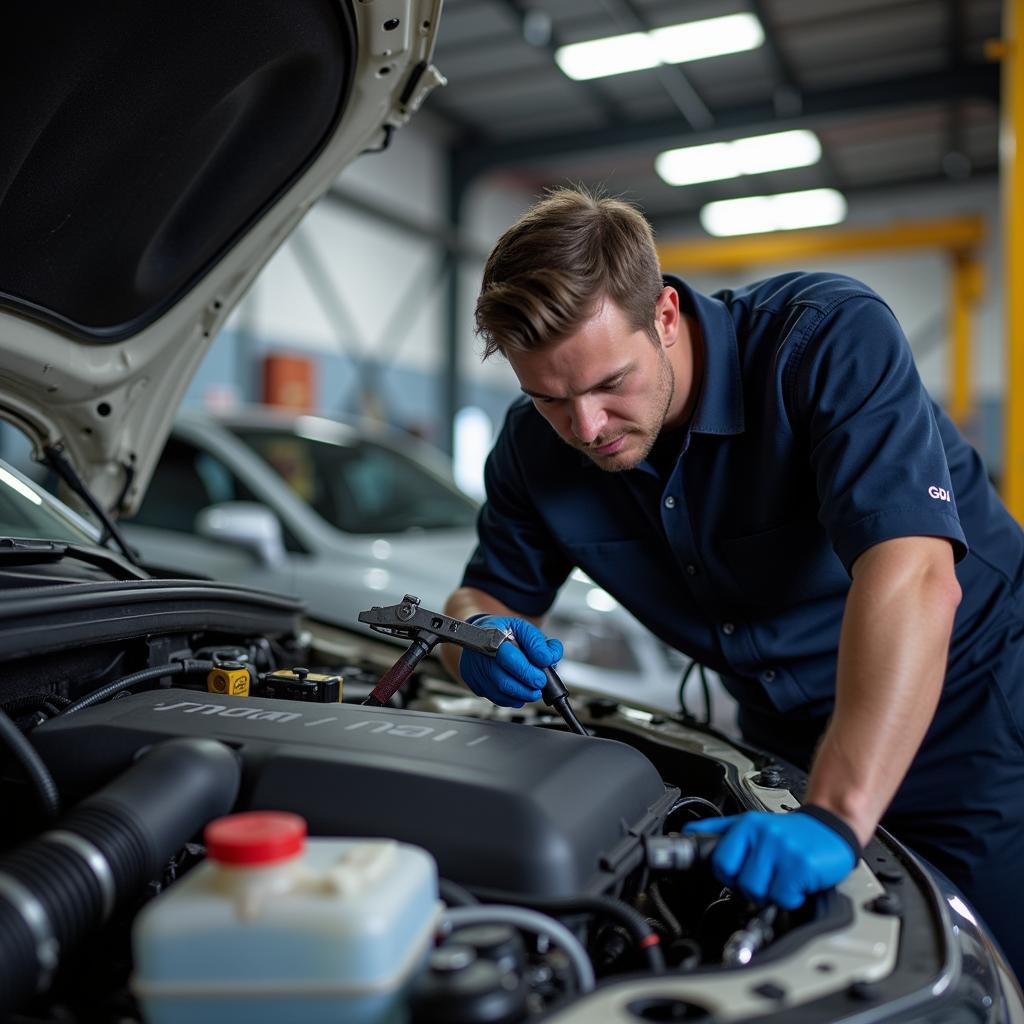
[{"x": 760, "y": 477}]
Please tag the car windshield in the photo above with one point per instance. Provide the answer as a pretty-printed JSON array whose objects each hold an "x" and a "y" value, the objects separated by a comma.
[
  {"x": 361, "y": 486},
  {"x": 24, "y": 512}
]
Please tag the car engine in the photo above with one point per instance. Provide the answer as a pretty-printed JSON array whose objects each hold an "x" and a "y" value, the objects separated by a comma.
[
  {"x": 546, "y": 808},
  {"x": 556, "y": 861}
]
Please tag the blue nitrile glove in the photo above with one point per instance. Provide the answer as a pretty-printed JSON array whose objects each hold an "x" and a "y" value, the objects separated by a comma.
[
  {"x": 516, "y": 674},
  {"x": 781, "y": 858}
]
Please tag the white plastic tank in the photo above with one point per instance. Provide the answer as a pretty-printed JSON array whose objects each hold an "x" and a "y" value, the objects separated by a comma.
[{"x": 274, "y": 927}]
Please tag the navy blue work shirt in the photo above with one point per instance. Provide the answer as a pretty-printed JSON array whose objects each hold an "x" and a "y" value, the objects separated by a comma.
[{"x": 812, "y": 440}]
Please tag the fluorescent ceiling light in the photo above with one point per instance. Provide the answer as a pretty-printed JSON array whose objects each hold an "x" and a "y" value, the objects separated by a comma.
[
  {"x": 695, "y": 40},
  {"x": 755, "y": 214},
  {"x": 674, "y": 44},
  {"x": 755, "y": 155},
  {"x": 613, "y": 56}
]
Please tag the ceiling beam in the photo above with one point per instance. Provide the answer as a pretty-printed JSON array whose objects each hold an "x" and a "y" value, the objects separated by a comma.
[
  {"x": 975, "y": 81},
  {"x": 672, "y": 77},
  {"x": 608, "y": 105},
  {"x": 958, "y": 234},
  {"x": 787, "y": 97}
]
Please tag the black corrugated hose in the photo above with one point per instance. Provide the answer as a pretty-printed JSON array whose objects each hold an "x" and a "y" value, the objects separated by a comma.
[
  {"x": 174, "y": 668},
  {"x": 62, "y": 885},
  {"x": 51, "y": 703}
]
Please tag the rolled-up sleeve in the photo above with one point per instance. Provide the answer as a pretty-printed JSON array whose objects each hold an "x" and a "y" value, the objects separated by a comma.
[
  {"x": 873, "y": 439},
  {"x": 516, "y": 559}
]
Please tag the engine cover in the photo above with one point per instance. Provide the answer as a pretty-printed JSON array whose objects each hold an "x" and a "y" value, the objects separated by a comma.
[{"x": 498, "y": 805}]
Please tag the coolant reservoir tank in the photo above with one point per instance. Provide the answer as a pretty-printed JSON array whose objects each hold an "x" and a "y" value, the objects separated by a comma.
[{"x": 276, "y": 927}]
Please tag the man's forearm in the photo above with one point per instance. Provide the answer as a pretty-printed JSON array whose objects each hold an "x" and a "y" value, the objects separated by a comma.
[{"x": 892, "y": 661}]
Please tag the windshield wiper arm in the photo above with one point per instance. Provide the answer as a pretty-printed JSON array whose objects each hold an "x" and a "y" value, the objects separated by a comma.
[
  {"x": 18, "y": 551},
  {"x": 61, "y": 465}
]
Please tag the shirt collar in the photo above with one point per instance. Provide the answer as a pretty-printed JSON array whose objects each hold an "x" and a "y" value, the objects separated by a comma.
[{"x": 720, "y": 405}]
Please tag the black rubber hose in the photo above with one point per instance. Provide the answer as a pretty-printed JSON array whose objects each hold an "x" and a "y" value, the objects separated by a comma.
[
  {"x": 455, "y": 895},
  {"x": 691, "y": 803},
  {"x": 564, "y": 708},
  {"x": 34, "y": 767},
  {"x": 174, "y": 668},
  {"x": 644, "y": 937},
  {"x": 57, "y": 888},
  {"x": 557, "y": 696}
]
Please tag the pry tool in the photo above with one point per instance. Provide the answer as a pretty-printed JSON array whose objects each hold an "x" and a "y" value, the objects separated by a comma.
[{"x": 426, "y": 629}]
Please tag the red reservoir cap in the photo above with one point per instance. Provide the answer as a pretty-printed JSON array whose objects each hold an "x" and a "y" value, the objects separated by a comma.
[{"x": 255, "y": 837}]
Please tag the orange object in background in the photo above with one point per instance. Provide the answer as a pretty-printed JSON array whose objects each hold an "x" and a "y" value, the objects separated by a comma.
[{"x": 289, "y": 381}]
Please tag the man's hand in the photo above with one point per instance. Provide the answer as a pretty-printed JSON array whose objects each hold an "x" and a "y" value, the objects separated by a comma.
[
  {"x": 781, "y": 858},
  {"x": 516, "y": 675}
]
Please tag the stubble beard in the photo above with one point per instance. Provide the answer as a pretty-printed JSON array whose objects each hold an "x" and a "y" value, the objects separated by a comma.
[{"x": 646, "y": 433}]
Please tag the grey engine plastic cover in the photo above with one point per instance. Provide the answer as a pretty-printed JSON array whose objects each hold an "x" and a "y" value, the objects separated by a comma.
[{"x": 498, "y": 805}]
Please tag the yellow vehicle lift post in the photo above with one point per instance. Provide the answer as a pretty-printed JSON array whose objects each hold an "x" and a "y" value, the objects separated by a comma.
[
  {"x": 966, "y": 292},
  {"x": 1011, "y": 138}
]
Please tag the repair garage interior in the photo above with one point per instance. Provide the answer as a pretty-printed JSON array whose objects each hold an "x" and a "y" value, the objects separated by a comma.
[
  {"x": 901, "y": 101},
  {"x": 271, "y": 748}
]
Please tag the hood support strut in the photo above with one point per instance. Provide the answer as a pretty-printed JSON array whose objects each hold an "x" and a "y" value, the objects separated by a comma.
[{"x": 61, "y": 465}]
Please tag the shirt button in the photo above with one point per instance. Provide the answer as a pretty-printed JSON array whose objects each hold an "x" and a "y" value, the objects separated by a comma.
[
  {"x": 691, "y": 570},
  {"x": 670, "y": 502},
  {"x": 728, "y": 628},
  {"x": 768, "y": 675}
]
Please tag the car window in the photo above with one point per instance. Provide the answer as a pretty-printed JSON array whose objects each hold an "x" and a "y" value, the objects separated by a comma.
[
  {"x": 187, "y": 480},
  {"x": 361, "y": 486},
  {"x": 25, "y": 513}
]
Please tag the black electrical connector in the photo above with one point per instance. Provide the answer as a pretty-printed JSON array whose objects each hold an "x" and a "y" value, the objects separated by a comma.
[
  {"x": 678, "y": 852},
  {"x": 299, "y": 684}
]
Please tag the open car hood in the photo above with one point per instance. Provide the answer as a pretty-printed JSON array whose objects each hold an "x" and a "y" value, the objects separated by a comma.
[{"x": 155, "y": 156}]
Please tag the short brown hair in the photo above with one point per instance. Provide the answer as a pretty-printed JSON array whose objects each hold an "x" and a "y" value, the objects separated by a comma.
[{"x": 551, "y": 268}]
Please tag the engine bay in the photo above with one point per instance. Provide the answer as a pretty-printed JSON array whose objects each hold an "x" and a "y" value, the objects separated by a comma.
[{"x": 519, "y": 814}]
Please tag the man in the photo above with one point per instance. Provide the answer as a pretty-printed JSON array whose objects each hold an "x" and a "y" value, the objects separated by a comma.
[{"x": 760, "y": 477}]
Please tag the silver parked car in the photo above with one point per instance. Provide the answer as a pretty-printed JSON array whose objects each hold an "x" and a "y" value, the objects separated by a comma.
[{"x": 344, "y": 514}]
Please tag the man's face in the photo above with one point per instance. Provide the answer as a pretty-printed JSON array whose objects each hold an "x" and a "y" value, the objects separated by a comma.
[{"x": 607, "y": 390}]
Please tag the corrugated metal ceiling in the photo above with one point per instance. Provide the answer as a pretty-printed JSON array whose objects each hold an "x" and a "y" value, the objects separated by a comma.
[{"x": 899, "y": 91}]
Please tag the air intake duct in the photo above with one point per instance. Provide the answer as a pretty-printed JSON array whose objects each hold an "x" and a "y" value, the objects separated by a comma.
[{"x": 60, "y": 886}]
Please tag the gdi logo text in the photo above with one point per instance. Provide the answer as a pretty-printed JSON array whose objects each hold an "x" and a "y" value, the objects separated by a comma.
[{"x": 941, "y": 493}]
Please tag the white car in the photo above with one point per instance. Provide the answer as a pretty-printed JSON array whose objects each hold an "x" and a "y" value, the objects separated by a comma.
[{"x": 349, "y": 514}]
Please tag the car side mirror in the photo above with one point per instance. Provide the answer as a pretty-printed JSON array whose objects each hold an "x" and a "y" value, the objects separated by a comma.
[{"x": 247, "y": 525}]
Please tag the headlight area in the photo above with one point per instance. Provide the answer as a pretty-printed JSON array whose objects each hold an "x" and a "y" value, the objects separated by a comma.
[{"x": 462, "y": 862}]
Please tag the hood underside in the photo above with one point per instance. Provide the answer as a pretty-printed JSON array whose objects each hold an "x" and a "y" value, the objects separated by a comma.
[{"x": 155, "y": 155}]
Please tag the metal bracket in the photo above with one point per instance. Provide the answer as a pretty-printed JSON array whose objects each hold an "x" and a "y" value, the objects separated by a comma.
[{"x": 409, "y": 621}]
